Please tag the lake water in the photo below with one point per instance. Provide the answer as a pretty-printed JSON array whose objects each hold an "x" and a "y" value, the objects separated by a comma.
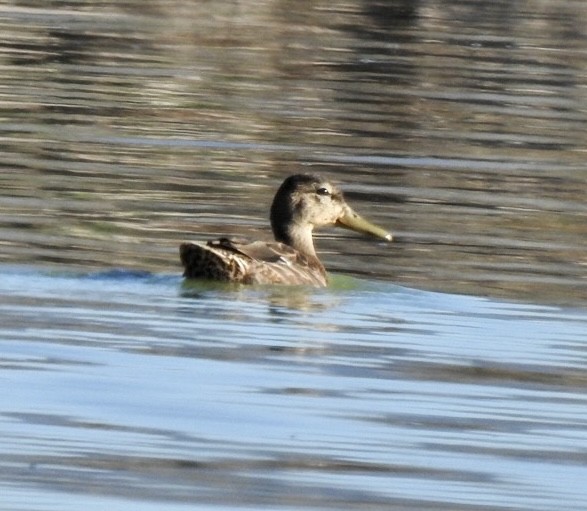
[{"x": 444, "y": 371}]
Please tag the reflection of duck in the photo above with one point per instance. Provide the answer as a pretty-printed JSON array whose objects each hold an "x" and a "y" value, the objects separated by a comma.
[{"x": 302, "y": 202}]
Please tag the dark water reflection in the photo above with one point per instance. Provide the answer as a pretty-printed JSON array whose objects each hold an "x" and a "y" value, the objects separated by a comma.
[
  {"x": 460, "y": 126},
  {"x": 129, "y": 127}
]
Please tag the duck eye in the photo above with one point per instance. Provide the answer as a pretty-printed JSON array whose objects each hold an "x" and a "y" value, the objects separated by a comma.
[{"x": 323, "y": 191}]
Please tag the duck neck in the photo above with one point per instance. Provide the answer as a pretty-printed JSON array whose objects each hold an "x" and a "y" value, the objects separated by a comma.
[{"x": 299, "y": 238}]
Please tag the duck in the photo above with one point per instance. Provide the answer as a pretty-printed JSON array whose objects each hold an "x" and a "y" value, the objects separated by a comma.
[{"x": 302, "y": 203}]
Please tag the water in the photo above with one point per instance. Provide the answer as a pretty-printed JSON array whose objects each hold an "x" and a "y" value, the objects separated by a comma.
[
  {"x": 443, "y": 371},
  {"x": 126, "y": 389}
]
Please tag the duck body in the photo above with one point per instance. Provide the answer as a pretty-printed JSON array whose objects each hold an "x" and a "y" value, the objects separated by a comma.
[
  {"x": 259, "y": 262},
  {"x": 303, "y": 202}
]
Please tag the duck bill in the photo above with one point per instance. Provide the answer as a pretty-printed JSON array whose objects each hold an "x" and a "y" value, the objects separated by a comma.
[{"x": 355, "y": 222}]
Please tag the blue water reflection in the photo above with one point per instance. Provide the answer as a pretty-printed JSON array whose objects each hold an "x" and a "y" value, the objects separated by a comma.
[{"x": 123, "y": 385}]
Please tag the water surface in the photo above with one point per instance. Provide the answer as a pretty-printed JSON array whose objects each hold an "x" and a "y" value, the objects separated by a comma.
[
  {"x": 126, "y": 389},
  {"x": 443, "y": 371}
]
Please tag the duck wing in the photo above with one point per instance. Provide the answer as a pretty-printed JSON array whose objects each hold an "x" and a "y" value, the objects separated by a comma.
[
  {"x": 258, "y": 262},
  {"x": 271, "y": 252}
]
